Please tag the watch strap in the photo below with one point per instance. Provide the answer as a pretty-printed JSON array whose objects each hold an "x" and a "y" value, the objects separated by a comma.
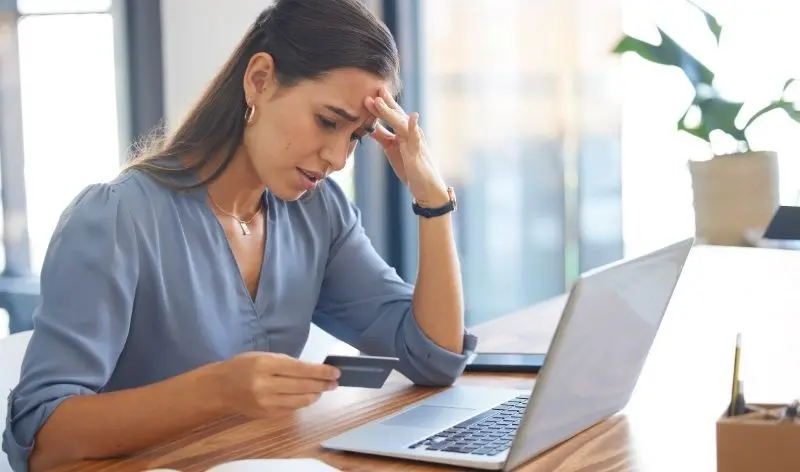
[{"x": 438, "y": 211}]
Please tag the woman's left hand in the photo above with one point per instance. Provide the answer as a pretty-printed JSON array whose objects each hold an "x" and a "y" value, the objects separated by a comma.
[{"x": 406, "y": 150}]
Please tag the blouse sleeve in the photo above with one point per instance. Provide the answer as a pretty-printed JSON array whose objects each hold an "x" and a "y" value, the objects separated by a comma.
[
  {"x": 88, "y": 281},
  {"x": 366, "y": 304}
]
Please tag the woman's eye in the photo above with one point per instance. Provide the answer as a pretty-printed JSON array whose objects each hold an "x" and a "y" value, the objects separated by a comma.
[
  {"x": 326, "y": 123},
  {"x": 331, "y": 125}
]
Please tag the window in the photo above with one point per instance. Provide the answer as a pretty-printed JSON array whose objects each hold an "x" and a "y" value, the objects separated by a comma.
[
  {"x": 69, "y": 107},
  {"x": 521, "y": 121},
  {"x": 2, "y": 225},
  {"x": 28, "y": 7},
  {"x": 346, "y": 178},
  {"x": 4, "y": 321}
]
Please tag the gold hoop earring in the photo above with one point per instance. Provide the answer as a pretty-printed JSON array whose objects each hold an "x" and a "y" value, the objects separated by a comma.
[{"x": 249, "y": 114}]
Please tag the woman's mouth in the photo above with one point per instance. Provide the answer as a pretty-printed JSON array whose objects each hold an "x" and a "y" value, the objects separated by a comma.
[{"x": 308, "y": 178}]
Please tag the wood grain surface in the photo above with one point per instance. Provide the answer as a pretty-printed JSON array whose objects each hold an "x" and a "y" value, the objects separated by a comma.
[{"x": 668, "y": 425}]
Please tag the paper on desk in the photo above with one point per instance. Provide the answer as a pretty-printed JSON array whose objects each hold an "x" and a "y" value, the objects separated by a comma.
[{"x": 274, "y": 465}]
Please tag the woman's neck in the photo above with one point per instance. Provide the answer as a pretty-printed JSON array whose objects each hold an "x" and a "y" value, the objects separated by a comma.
[{"x": 238, "y": 189}]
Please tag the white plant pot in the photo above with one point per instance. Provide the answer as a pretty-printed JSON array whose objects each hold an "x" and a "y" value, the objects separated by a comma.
[{"x": 733, "y": 194}]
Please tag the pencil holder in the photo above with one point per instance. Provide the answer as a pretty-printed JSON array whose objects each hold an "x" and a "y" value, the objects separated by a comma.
[{"x": 758, "y": 441}]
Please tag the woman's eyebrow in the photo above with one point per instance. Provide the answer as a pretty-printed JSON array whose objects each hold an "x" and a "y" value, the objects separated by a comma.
[
  {"x": 369, "y": 128},
  {"x": 344, "y": 114}
]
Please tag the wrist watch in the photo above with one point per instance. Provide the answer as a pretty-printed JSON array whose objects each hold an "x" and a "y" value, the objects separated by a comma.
[{"x": 425, "y": 212}]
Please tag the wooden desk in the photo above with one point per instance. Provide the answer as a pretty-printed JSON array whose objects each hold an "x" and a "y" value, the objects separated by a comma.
[{"x": 668, "y": 426}]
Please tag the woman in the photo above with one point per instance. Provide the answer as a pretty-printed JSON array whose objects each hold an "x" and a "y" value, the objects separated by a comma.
[{"x": 183, "y": 291}]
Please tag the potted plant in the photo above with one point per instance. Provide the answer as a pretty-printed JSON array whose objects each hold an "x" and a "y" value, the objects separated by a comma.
[{"x": 733, "y": 192}]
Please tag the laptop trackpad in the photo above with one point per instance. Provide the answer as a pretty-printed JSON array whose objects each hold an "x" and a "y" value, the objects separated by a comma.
[{"x": 424, "y": 416}]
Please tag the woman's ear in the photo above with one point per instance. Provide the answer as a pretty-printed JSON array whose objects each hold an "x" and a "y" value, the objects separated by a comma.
[{"x": 259, "y": 77}]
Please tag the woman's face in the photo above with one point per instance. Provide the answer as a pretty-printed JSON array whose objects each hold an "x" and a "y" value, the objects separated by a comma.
[{"x": 300, "y": 134}]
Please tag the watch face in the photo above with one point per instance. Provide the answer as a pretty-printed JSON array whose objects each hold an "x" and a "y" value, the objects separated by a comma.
[{"x": 451, "y": 191}]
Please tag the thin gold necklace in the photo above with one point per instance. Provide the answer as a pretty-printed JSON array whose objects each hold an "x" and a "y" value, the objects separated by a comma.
[{"x": 242, "y": 223}]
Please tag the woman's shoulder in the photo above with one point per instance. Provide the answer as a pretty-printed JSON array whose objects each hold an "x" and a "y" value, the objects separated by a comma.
[
  {"x": 96, "y": 220},
  {"x": 335, "y": 200},
  {"x": 135, "y": 186},
  {"x": 331, "y": 204},
  {"x": 131, "y": 194}
]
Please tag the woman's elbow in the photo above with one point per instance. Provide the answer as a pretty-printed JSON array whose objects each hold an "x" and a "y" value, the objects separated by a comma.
[
  {"x": 439, "y": 382},
  {"x": 43, "y": 458},
  {"x": 431, "y": 376},
  {"x": 49, "y": 452}
]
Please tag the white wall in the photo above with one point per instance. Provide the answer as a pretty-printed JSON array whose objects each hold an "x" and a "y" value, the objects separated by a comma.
[{"x": 196, "y": 43}]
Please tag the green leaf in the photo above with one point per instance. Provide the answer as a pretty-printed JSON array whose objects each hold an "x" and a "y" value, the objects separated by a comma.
[
  {"x": 711, "y": 21},
  {"x": 787, "y": 84},
  {"x": 668, "y": 53},
  {"x": 786, "y": 106},
  {"x": 716, "y": 114},
  {"x": 701, "y": 130},
  {"x": 781, "y": 104},
  {"x": 721, "y": 114},
  {"x": 763, "y": 111}
]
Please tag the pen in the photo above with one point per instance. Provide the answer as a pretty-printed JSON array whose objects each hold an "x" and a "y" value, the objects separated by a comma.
[
  {"x": 735, "y": 383},
  {"x": 739, "y": 405}
]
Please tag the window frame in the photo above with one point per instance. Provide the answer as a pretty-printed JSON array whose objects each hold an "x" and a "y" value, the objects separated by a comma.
[
  {"x": 12, "y": 163},
  {"x": 383, "y": 200},
  {"x": 140, "y": 105}
]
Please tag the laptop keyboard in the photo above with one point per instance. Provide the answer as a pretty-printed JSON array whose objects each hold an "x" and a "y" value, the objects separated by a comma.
[{"x": 488, "y": 433}]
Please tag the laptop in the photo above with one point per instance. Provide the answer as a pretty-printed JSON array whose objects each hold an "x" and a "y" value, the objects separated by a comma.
[{"x": 594, "y": 361}]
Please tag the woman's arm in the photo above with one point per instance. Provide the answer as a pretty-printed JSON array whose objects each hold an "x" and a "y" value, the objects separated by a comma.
[
  {"x": 88, "y": 284},
  {"x": 253, "y": 384},
  {"x": 366, "y": 304},
  {"x": 438, "y": 297},
  {"x": 112, "y": 424}
]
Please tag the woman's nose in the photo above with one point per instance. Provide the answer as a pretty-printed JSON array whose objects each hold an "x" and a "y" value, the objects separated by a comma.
[{"x": 337, "y": 153}]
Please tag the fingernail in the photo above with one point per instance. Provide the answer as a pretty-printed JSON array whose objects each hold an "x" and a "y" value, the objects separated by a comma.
[{"x": 333, "y": 386}]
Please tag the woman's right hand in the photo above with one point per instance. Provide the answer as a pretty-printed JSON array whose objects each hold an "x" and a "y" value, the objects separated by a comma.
[{"x": 255, "y": 384}]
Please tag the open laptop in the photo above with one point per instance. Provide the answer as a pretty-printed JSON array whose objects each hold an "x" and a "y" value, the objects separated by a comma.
[{"x": 595, "y": 358}]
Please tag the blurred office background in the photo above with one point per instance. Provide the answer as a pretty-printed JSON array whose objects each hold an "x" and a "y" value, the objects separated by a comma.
[{"x": 564, "y": 156}]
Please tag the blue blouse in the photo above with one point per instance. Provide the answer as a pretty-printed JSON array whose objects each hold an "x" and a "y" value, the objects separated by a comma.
[{"x": 139, "y": 284}]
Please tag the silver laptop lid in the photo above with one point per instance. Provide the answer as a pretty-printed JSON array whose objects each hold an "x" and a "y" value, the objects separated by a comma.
[{"x": 594, "y": 361}]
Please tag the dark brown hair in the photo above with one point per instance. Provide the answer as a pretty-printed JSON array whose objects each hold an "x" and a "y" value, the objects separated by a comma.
[{"x": 306, "y": 39}]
